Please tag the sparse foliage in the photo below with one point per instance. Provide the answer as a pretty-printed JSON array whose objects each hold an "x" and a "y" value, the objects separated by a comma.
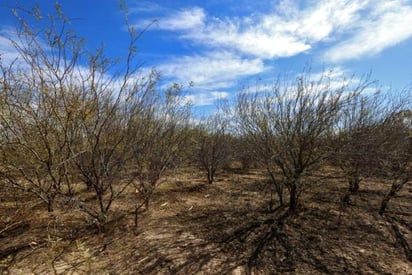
[
  {"x": 36, "y": 112},
  {"x": 290, "y": 125},
  {"x": 358, "y": 138},
  {"x": 398, "y": 154},
  {"x": 69, "y": 117},
  {"x": 159, "y": 136},
  {"x": 80, "y": 130},
  {"x": 212, "y": 143}
]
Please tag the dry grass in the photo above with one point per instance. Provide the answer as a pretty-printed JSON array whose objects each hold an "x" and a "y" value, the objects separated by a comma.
[{"x": 224, "y": 228}]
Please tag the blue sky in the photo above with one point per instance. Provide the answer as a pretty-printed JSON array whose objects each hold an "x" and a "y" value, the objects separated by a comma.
[{"x": 222, "y": 45}]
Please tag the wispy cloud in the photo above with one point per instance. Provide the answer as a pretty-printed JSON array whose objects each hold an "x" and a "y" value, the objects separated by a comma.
[
  {"x": 284, "y": 32},
  {"x": 216, "y": 70},
  {"x": 387, "y": 24},
  {"x": 8, "y": 52},
  {"x": 183, "y": 20},
  {"x": 204, "y": 98},
  {"x": 232, "y": 48},
  {"x": 348, "y": 28},
  {"x": 212, "y": 74}
]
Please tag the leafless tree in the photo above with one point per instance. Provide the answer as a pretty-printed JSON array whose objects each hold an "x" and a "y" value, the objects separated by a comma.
[
  {"x": 363, "y": 132},
  {"x": 68, "y": 115},
  {"x": 243, "y": 151},
  {"x": 398, "y": 158},
  {"x": 213, "y": 150},
  {"x": 159, "y": 135},
  {"x": 254, "y": 123},
  {"x": 35, "y": 115},
  {"x": 103, "y": 138},
  {"x": 357, "y": 140},
  {"x": 290, "y": 125}
]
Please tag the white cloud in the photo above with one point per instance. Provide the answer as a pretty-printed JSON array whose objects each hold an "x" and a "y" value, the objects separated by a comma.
[
  {"x": 253, "y": 41},
  {"x": 210, "y": 73},
  {"x": 8, "y": 52},
  {"x": 10, "y": 42},
  {"x": 331, "y": 74},
  {"x": 204, "y": 98},
  {"x": 352, "y": 28},
  {"x": 389, "y": 23},
  {"x": 187, "y": 19},
  {"x": 329, "y": 17},
  {"x": 233, "y": 48},
  {"x": 215, "y": 70},
  {"x": 283, "y": 32}
]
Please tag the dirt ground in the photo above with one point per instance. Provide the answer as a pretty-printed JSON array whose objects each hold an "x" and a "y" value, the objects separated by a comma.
[{"x": 223, "y": 228}]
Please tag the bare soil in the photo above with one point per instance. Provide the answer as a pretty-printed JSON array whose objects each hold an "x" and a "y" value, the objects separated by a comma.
[{"x": 223, "y": 228}]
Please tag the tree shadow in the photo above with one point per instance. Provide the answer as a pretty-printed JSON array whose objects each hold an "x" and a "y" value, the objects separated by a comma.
[
  {"x": 399, "y": 225},
  {"x": 280, "y": 242}
]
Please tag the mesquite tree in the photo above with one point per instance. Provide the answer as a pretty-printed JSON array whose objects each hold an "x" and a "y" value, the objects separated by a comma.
[
  {"x": 68, "y": 115},
  {"x": 255, "y": 124},
  {"x": 36, "y": 115},
  {"x": 357, "y": 140},
  {"x": 291, "y": 124},
  {"x": 398, "y": 158},
  {"x": 159, "y": 137},
  {"x": 213, "y": 149}
]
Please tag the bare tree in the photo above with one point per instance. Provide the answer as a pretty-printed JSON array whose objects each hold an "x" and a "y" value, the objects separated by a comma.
[
  {"x": 67, "y": 114},
  {"x": 103, "y": 140},
  {"x": 159, "y": 137},
  {"x": 255, "y": 124},
  {"x": 244, "y": 152},
  {"x": 213, "y": 149},
  {"x": 33, "y": 153},
  {"x": 291, "y": 124},
  {"x": 398, "y": 158},
  {"x": 357, "y": 138},
  {"x": 105, "y": 133},
  {"x": 364, "y": 134},
  {"x": 34, "y": 116}
]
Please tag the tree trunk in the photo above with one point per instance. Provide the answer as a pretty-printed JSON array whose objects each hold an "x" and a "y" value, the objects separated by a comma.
[
  {"x": 136, "y": 213},
  {"x": 354, "y": 184},
  {"x": 396, "y": 186},
  {"x": 279, "y": 191},
  {"x": 147, "y": 193},
  {"x": 50, "y": 203},
  {"x": 278, "y": 187},
  {"x": 384, "y": 204},
  {"x": 293, "y": 198},
  {"x": 101, "y": 222},
  {"x": 50, "y": 206},
  {"x": 346, "y": 198},
  {"x": 210, "y": 176}
]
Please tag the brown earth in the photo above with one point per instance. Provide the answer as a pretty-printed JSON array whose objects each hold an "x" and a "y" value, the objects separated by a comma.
[{"x": 223, "y": 228}]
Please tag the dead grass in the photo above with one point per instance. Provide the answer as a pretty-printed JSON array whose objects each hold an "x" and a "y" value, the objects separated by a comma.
[{"x": 224, "y": 228}]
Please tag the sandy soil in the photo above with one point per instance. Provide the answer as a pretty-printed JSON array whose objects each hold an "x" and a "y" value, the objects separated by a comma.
[{"x": 223, "y": 228}]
